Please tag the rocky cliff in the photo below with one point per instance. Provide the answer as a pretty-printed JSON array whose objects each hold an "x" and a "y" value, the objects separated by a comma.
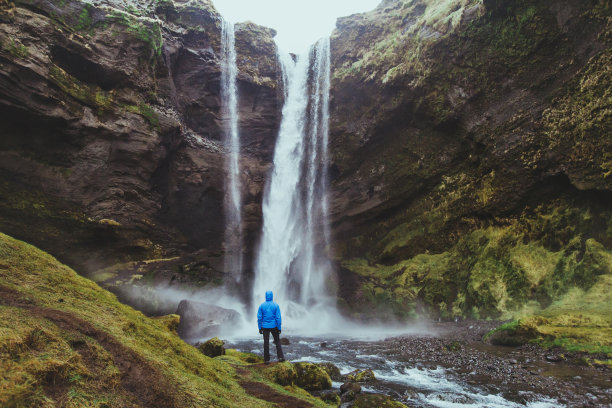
[
  {"x": 111, "y": 148},
  {"x": 471, "y": 156}
]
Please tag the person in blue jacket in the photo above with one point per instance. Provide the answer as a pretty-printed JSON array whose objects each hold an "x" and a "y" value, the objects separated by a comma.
[{"x": 269, "y": 321}]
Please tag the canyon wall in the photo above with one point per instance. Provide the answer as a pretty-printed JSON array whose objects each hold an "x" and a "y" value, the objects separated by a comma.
[
  {"x": 111, "y": 150},
  {"x": 471, "y": 155}
]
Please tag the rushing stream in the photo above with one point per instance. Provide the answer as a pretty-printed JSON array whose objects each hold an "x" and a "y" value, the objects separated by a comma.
[{"x": 416, "y": 385}]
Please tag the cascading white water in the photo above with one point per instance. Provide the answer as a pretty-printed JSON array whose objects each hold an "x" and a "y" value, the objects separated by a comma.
[
  {"x": 231, "y": 140},
  {"x": 290, "y": 261}
]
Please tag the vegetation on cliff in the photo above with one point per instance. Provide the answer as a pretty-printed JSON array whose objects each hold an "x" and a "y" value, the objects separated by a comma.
[
  {"x": 64, "y": 341},
  {"x": 475, "y": 162}
]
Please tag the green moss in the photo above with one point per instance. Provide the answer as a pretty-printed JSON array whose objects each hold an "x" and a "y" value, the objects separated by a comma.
[
  {"x": 498, "y": 272},
  {"x": 147, "y": 112},
  {"x": 90, "y": 95},
  {"x": 16, "y": 49},
  {"x": 84, "y": 20},
  {"x": 146, "y": 31},
  {"x": 312, "y": 377},
  {"x": 281, "y": 373},
  {"x": 37, "y": 355}
]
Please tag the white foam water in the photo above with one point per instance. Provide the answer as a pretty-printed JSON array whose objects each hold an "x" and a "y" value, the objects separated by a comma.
[{"x": 290, "y": 259}]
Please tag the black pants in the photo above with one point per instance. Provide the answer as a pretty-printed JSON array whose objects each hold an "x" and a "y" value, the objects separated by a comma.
[{"x": 279, "y": 350}]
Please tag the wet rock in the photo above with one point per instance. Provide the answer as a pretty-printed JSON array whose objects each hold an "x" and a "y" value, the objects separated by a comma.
[
  {"x": 323, "y": 344},
  {"x": 361, "y": 376},
  {"x": 282, "y": 373},
  {"x": 212, "y": 348},
  {"x": 332, "y": 370},
  {"x": 200, "y": 320},
  {"x": 312, "y": 377},
  {"x": 350, "y": 386},
  {"x": 555, "y": 358},
  {"x": 331, "y": 397},
  {"x": 349, "y": 391}
]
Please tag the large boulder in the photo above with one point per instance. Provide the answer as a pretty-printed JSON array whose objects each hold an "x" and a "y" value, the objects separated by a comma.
[
  {"x": 199, "y": 320},
  {"x": 312, "y": 377}
]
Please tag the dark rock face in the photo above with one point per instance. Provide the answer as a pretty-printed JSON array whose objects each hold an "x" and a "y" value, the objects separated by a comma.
[
  {"x": 451, "y": 126},
  {"x": 111, "y": 130},
  {"x": 200, "y": 320}
]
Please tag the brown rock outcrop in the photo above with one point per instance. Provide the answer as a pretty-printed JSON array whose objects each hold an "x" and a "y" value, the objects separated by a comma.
[{"x": 111, "y": 143}]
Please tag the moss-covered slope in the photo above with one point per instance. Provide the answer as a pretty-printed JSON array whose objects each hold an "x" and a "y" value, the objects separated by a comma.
[
  {"x": 66, "y": 342},
  {"x": 470, "y": 140}
]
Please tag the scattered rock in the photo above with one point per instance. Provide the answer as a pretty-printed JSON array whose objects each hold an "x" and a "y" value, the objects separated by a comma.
[
  {"x": 312, "y": 377},
  {"x": 201, "y": 320},
  {"x": 331, "y": 397},
  {"x": 349, "y": 391},
  {"x": 350, "y": 386},
  {"x": 555, "y": 358},
  {"x": 453, "y": 346},
  {"x": 213, "y": 347},
  {"x": 323, "y": 344},
  {"x": 285, "y": 341}
]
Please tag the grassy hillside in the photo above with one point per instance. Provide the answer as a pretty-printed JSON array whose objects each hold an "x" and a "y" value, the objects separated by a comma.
[{"x": 66, "y": 342}]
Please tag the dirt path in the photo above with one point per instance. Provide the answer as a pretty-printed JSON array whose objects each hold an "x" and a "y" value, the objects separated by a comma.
[{"x": 267, "y": 393}]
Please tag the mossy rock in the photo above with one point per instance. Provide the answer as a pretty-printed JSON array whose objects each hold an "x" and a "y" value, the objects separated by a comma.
[
  {"x": 376, "y": 400},
  {"x": 332, "y": 370},
  {"x": 171, "y": 321},
  {"x": 331, "y": 398},
  {"x": 512, "y": 334},
  {"x": 281, "y": 373},
  {"x": 213, "y": 347},
  {"x": 362, "y": 376},
  {"x": 312, "y": 377},
  {"x": 349, "y": 391}
]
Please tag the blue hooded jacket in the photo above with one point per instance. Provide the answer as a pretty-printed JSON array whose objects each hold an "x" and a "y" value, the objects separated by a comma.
[{"x": 268, "y": 314}]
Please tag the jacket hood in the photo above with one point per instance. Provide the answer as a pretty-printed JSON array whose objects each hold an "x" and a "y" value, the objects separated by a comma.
[{"x": 269, "y": 295}]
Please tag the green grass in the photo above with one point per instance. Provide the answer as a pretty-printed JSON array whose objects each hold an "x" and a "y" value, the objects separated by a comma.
[{"x": 38, "y": 356}]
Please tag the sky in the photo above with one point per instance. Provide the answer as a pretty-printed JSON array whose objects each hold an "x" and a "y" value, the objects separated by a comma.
[{"x": 299, "y": 23}]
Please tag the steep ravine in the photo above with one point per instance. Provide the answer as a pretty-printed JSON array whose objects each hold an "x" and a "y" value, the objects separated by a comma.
[{"x": 110, "y": 151}]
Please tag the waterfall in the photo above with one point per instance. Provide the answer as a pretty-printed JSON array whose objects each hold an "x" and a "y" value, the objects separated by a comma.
[
  {"x": 290, "y": 260},
  {"x": 231, "y": 141}
]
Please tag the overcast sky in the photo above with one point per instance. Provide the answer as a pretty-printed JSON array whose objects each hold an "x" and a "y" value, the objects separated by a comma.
[{"x": 299, "y": 23}]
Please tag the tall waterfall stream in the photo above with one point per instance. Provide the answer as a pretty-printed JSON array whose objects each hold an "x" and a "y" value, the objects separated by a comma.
[
  {"x": 290, "y": 261},
  {"x": 233, "y": 203}
]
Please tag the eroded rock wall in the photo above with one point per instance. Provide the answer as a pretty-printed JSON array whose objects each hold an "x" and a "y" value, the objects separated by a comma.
[
  {"x": 111, "y": 145},
  {"x": 470, "y": 143}
]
